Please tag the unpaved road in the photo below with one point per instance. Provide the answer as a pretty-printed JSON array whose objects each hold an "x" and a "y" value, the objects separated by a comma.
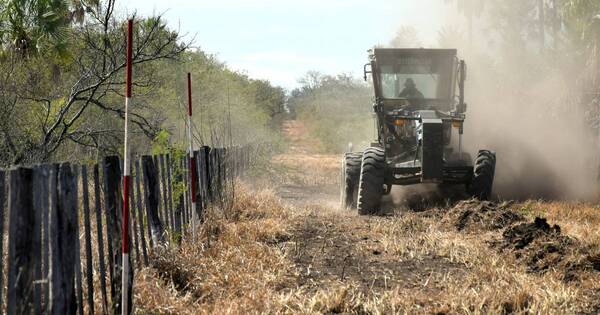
[{"x": 339, "y": 245}]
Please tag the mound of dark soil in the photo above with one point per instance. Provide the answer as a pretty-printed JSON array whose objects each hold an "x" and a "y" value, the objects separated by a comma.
[
  {"x": 541, "y": 246},
  {"x": 521, "y": 235},
  {"x": 473, "y": 215},
  {"x": 538, "y": 244}
]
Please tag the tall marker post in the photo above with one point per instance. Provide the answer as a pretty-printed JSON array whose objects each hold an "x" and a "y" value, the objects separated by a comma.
[
  {"x": 126, "y": 178},
  {"x": 191, "y": 158}
]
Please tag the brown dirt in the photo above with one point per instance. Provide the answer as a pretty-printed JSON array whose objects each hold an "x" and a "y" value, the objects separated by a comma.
[{"x": 328, "y": 249}]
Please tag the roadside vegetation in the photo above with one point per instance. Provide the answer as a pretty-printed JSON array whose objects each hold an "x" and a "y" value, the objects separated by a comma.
[{"x": 62, "y": 82}]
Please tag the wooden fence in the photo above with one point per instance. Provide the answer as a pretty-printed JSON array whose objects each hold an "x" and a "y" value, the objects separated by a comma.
[{"x": 62, "y": 224}]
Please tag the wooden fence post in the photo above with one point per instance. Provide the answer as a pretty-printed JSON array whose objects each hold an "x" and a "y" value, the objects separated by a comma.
[
  {"x": 219, "y": 171},
  {"x": 101, "y": 263},
  {"x": 197, "y": 192},
  {"x": 113, "y": 204},
  {"x": 45, "y": 246},
  {"x": 179, "y": 210},
  {"x": 204, "y": 175},
  {"x": 186, "y": 193},
  {"x": 2, "y": 189},
  {"x": 212, "y": 183},
  {"x": 40, "y": 179},
  {"x": 152, "y": 193},
  {"x": 138, "y": 175},
  {"x": 200, "y": 183},
  {"x": 134, "y": 220},
  {"x": 78, "y": 274},
  {"x": 160, "y": 214},
  {"x": 175, "y": 218},
  {"x": 163, "y": 179},
  {"x": 20, "y": 242},
  {"x": 88, "y": 239},
  {"x": 63, "y": 235}
]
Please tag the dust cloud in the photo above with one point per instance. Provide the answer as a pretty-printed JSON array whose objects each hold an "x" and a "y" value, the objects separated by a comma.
[
  {"x": 526, "y": 95},
  {"x": 525, "y": 101}
]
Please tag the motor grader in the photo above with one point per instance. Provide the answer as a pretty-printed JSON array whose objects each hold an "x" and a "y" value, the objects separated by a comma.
[{"x": 419, "y": 108}]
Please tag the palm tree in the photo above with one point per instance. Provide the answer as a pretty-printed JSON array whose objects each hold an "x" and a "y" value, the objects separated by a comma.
[{"x": 27, "y": 26}]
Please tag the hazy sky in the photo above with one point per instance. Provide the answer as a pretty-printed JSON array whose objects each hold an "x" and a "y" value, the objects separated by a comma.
[{"x": 280, "y": 40}]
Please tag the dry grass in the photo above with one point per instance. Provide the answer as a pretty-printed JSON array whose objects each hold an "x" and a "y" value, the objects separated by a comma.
[
  {"x": 242, "y": 264},
  {"x": 230, "y": 268},
  {"x": 265, "y": 257}
]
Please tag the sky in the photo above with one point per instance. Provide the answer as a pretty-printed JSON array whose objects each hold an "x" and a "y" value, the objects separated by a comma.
[{"x": 281, "y": 40}]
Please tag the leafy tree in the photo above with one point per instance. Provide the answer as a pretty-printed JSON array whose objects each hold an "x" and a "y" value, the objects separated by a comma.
[
  {"x": 45, "y": 109},
  {"x": 336, "y": 109},
  {"x": 30, "y": 26}
]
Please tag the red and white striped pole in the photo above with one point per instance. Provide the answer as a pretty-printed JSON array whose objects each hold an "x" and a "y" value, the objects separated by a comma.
[
  {"x": 126, "y": 178},
  {"x": 191, "y": 158}
]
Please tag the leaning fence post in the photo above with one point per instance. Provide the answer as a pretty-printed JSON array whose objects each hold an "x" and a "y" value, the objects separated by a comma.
[
  {"x": 20, "y": 242},
  {"x": 151, "y": 194},
  {"x": 63, "y": 235}
]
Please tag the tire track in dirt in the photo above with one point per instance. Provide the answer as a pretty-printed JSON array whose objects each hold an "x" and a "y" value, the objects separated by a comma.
[{"x": 333, "y": 247}]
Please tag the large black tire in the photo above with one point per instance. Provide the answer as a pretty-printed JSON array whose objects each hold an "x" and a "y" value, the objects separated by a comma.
[
  {"x": 350, "y": 174},
  {"x": 483, "y": 175},
  {"x": 372, "y": 178}
]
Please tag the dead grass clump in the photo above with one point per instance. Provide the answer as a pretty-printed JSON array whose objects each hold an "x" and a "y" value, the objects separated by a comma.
[
  {"x": 253, "y": 205},
  {"x": 170, "y": 269},
  {"x": 152, "y": 295},
  {"x": 230, "y": 267}
]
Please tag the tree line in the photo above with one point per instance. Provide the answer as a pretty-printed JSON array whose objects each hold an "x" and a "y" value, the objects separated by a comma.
[{"x": 62, "y": 66}]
